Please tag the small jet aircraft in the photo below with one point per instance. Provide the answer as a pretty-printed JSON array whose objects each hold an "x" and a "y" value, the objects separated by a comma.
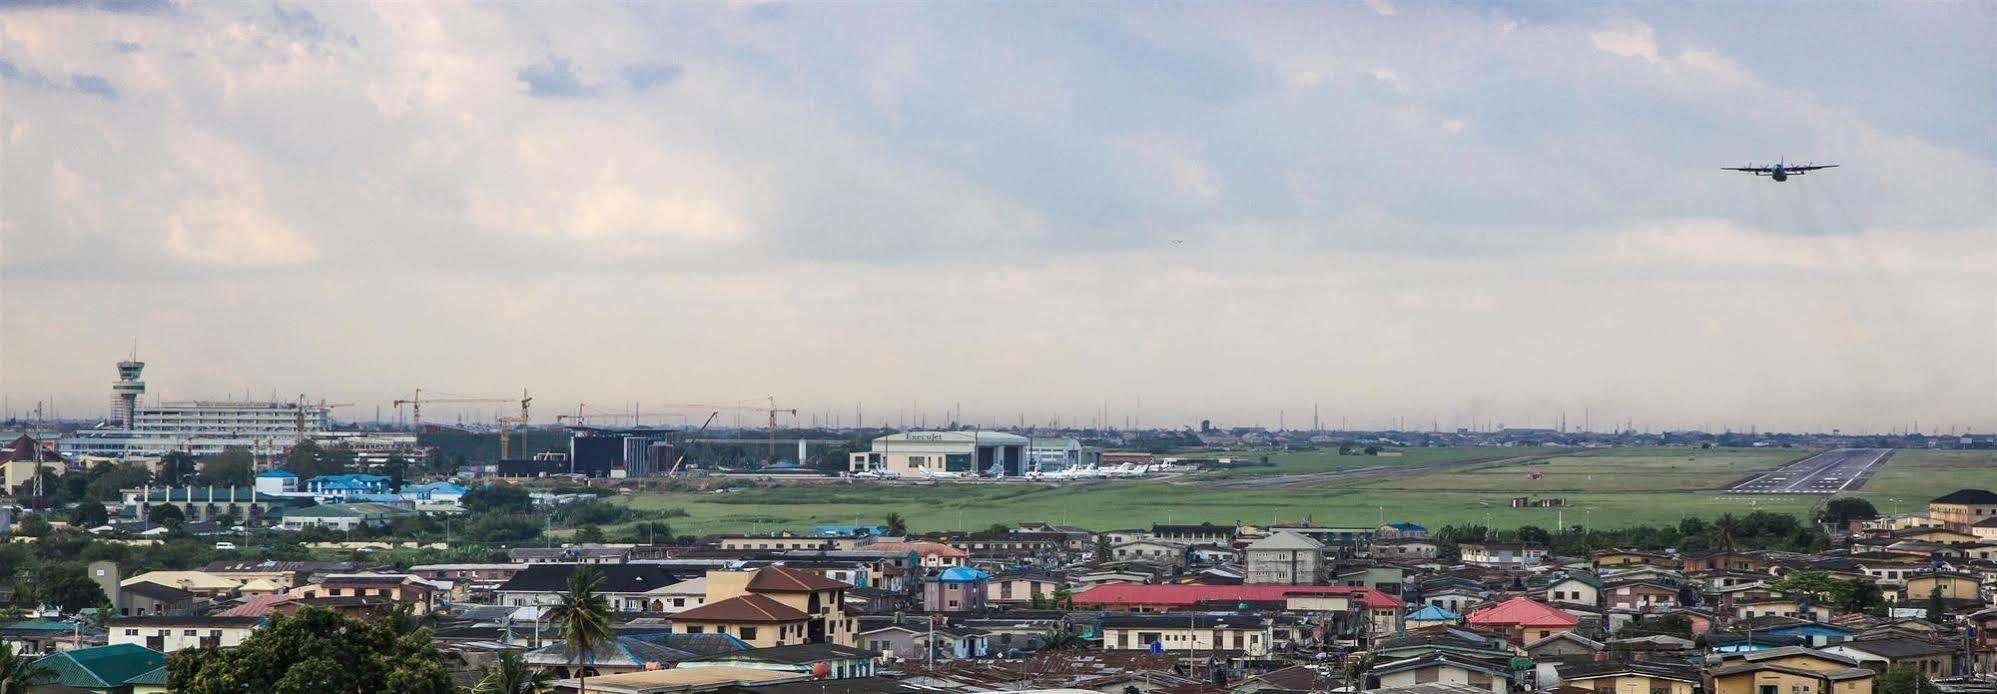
[{"x": 1780, "y": 171}]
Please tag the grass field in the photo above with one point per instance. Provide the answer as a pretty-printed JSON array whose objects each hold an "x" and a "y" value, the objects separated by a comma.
[{"x": 1604, "y": 488}]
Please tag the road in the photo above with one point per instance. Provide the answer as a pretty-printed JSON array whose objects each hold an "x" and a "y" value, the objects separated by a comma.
[{"x": 1829, "y": 472}]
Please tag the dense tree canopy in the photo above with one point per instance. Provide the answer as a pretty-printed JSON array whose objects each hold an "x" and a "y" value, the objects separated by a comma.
[{"x": 317, "y": 650}]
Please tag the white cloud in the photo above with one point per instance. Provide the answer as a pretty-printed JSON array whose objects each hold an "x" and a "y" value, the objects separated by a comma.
[
  {"x": 1635, "y": 41},
  {"x": 1384, "y": 7},
  {"x": 233, "y": 233}
]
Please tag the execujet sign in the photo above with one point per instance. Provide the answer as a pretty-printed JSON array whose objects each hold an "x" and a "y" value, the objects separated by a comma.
[{"x": 923, "y": 437}]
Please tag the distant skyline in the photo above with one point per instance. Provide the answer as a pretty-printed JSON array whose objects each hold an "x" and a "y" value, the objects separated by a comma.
[{"x": 1453, "y": 214}]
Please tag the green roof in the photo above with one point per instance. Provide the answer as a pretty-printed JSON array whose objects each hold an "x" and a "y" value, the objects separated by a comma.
[
  {"x": 103, "y": 667},
  {"x": 155, "y": 676},
  {"x": 39, "y": 625}
]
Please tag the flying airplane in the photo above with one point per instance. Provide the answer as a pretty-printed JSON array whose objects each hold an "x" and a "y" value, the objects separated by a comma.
[{"x": 1780, "y": 171}]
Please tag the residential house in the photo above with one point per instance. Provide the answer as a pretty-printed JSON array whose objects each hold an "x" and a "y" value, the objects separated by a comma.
[
  {"x": 634, "y": 653},
  {"x": 627, "y": 586},
  {"x": 1488, "y": 675},
  {"x": 1660, "y": 676},
  {"x": 678, "y": 597},
  {"x": 821, "y": 600},
  {"x": 933, "y": 555},
  {"x": 1639, "y": 596},
  {"x": 167, "y": 634},
  {"x": 789, "y": 541},
  {"x": 1785, "y": 607},
  {"x": 1160, "y": 550},
  {"x": 343, "y": 517},
  {"x": 1949, "y": 585},
  {"x": 1502, "y": 555},
  {"x": 1194, "y": 631},
  {"x": 1402, "y": 530},
  {"x": 577, "y": 554},
  {"x": 1386, "y": 579},
  {"x": 836, "y": 661},
  {"x": 1963, "y": 508},
  {"x": 1430, "y": 615},
  {"x": 1202, "y": 534},
  {"x": 419, "y": 594},
  {"x": 1576, "y": 588},
  {"x": 957, "y": 589},
  {"x": 906, "y": 639},
  {"x": 1524, "y": 619},
  {"x": 1565, "y": 644},
  {"x": 107, "y": 669},
  {"x": 1931, "y": 659},
  {"x": 758, "y": 620},
  {"x": 149, "y": 598},
  {"x": 1455, "y": 598},
  {"x": 1789, "y": 670},
  {"x": 1406, "y": 548},
  {"x": 1021, "y": 587},
  {"x": 1611, "y": 558},
  {"x": 1725, "y": 561}
]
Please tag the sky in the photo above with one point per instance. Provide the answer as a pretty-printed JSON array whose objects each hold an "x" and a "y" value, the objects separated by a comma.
[{"x": 1451, "y": 215}]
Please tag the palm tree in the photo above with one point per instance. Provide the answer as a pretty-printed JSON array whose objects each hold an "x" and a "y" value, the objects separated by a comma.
[
  {"x": 896, "y": 525},
  {"x": 1357, "y": 667},
  {"x": 512, "y": 675},
  {"x": 18, "y": 672},
  {"x": 1061, "y": 639},
  {"x": 1727, "y": 530},
  {"x": 582, "y": 620}
]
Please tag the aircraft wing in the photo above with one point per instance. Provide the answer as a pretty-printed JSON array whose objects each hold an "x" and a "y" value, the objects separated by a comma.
[
  {"x": 1750, "y": 169},
  {"x": 1812, "y": 167}
]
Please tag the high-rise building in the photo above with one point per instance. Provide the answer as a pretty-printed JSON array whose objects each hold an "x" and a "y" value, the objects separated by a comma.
[{"x": 201, "y": 427}]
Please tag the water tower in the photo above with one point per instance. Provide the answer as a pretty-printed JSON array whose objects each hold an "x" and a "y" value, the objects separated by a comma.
[{"x": 125, "y": 393}]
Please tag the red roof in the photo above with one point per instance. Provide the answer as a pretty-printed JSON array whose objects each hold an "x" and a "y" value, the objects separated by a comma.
[
  {"x": 745, "y": 608},
  {"x": 1190, "y": 593},
  {"x": 1523, "y": 611},
  {"x": 783, "y": 579}
]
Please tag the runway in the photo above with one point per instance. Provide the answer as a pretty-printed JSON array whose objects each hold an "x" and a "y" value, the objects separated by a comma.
[{"x": 1829, "y": 472}]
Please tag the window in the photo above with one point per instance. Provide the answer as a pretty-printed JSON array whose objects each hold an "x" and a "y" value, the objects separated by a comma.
[
  {"x": 748, "y": 633},
  {"x": 1426, "y": 675},
  {"x": 695, "y": 629},
  {"x": 187, "y": 632},
  {"x": 1769, "y": 689},
  {"x": 131, "y": 632}
]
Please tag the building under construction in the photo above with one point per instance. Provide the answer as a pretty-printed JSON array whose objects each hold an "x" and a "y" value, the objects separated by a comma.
[{"x": 199, "y": 427}]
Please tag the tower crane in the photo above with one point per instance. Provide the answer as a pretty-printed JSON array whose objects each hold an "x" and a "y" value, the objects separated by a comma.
[
  {"x": 322, "y": 404},
  {"x": 415, "y": 404},
  {"x": 772, "y": 411}
]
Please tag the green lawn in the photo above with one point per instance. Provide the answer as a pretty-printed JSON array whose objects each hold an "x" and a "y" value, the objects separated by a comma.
[
  {"x": 1613, "y": 488},
  {"x": 1327, "y": 460},
  {"x": 1912, "y": 477},
  {"x": 1619, "y": 470}
]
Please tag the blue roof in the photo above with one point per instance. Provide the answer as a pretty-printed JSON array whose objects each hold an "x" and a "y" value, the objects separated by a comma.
[
  {"x": 1433, "y": 613},
  {"x": 435, "y": 487},
  {"x": 277, "y": 473},
  {"x": 1404, "y": 525},
  {"x": 962, "y": 574}
]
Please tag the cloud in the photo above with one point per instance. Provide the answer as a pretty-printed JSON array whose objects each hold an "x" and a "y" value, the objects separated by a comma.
[
  {"x": 1382, "y": 7},
  {"x": 299, "y": 23},
  {"x": 114, "y": 6},
  {"x": 94, "y": 85},
  {"x": 127, "y": 46},
  {"x": 1635, "y": 41},
  {"x": 642, "y": 77},
  {"x": 555, "y": 78},
  {"x": 230, "y": 232},
  {"x": 91, "y": 85}
]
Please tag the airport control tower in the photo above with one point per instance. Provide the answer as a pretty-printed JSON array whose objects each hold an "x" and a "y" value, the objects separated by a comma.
[{"x": 125, "y": 393}]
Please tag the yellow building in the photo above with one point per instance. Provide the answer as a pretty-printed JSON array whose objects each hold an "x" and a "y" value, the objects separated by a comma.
[
  {"x": 1964, "y": 508},
  {"x": 757, "y": 620},
  {"x": 1640, "y": 677},
  {"x": 1952, "y": 586},
  {"x": 820, "y": 599},
  {"x": 1769, "y": 678}
]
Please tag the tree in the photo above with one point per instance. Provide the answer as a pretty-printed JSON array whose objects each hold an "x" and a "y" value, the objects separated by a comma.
[
  {"x": 590, "y": 533},
  {"x": 1357, "y": 670},
  {"x": 1905, "y": 680},
  {"x": 1668, "y": 625},
  {"x": 999, "y": 529},
  {"x": 582, "y": 620},
  {"x": 111, "y": 479},
  {"x": 316, "y": 650},
  {"x": 1817, "y": 586},
  {"x": 1533, "y": 535},
  {"x": 88, "y": 514},
  {"x": 175, "y": 468},
  {"x": 497, "y": 498},
  {"x": 397, "y": 470},
  {"x": 1102, "y": 549},
  {"x": 1062, "y": 639},
  {"x": 66, "y": 585},
  {"x": 511, "y": 674},
  {"x": 1937, "y": 610},
  {"x": 18, "y": 672},
  {"x": 1726, "y": 530},
  {"x": 1843, "y": 510},
  {"x": 896, "y": 525},
  {"x": 33, "y": 526},
  {"x": 166, "y": 514},
  {"x": 233, "y": 466}
]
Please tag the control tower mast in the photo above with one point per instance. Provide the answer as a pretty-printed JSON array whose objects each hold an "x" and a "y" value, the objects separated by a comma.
[{"x": 125, "y": 393}]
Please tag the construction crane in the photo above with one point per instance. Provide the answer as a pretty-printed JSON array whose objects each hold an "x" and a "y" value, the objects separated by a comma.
[
  {"x": 415, "y": 404},
  {"x": 681, "y": 460},
  {"x": 322, "y": 404},
  {"x": 773, "y": 430},
  {"x": 506, "y": 426}
]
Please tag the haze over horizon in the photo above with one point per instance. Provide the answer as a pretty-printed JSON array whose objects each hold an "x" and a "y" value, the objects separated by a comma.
[{"x": 1459, "y": 215}]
